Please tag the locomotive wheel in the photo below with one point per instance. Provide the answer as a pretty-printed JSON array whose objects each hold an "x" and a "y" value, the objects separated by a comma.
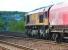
[
  {"x": 34, "y": 33},
  {"x": 28, "y": 33},
  {"x": 41, "y": 33}
]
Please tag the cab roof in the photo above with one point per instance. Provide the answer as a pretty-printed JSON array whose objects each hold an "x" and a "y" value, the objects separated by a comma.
[{"x": 42, "y": 9}]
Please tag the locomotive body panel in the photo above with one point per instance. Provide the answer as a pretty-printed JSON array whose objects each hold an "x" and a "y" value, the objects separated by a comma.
[
  {"x": 34, "y": 17},
  {"x": 34, "y": 20}
]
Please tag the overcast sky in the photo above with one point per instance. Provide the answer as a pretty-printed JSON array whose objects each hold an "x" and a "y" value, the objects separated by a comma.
[{"x": 25, "y": 5}]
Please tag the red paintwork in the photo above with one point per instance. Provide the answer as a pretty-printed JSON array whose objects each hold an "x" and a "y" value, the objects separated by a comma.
[{"x": 59, "y": 15}]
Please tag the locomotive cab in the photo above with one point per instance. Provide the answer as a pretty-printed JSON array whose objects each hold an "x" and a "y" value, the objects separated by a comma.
[{"x": 37, "y": 22}]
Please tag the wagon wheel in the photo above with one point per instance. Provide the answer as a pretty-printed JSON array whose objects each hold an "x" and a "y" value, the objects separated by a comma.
[
  {"x": 59, "y": 38},
  {"x": 54, "y": 36}
]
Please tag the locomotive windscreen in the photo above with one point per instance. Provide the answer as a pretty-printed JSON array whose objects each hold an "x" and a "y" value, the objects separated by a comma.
[{"x": 27, "y": 21}]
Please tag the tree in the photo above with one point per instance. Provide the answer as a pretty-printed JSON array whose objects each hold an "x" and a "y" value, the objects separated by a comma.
[
  {"x": 1, "y": 23},
  {"x": 12, "y": 21},
  {"x": 16, "y": 25}
]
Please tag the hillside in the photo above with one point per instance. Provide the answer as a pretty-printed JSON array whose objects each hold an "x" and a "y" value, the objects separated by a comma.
[{"x": 12, "y": 21}]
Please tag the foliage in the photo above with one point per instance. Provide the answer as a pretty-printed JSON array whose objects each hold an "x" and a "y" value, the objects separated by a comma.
[
  {"x": 16, "y": 26},
  {"x": 9, "y": 20},
  {"x": 1, "y": 23}
]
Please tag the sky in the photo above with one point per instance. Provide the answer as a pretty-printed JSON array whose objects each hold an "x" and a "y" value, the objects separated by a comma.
[{"x": 25, "y": 5}]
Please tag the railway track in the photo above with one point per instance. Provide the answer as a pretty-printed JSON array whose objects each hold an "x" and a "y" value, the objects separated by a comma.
[
  {"x": 3, "y": 48},
  {"x": 34, "y": 44},
  {"x": 14, "y": 46},
  {"x": 11, "y": 46}
]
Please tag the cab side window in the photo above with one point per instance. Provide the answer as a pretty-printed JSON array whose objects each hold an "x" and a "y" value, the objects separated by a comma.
[
  {"x": 46, "y": 14},
  {"x": 41, "y": 18}
]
